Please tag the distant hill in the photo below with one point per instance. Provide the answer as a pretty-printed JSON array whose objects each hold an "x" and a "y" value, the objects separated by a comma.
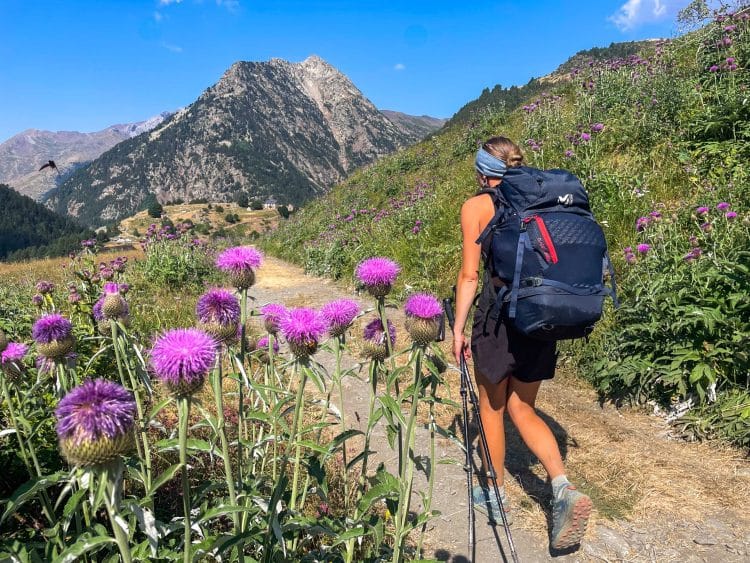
[
  {"x": 416, "y": 127},
  {"x": 290, "y": 130},
  {"x": 30, "y": 230},
  {"x": 22, "y": 155}
]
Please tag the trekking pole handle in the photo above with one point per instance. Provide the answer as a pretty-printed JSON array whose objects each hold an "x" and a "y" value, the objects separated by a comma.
[{"x": 448, "y": 308}]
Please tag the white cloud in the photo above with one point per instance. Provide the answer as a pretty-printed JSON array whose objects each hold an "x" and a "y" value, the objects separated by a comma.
[
  {"x": 168, "y": 2},
  {"x": 173, "y": 48},
  {"x": 399, "y": 66},
  {"x": 635, "y": 13},
  {"x": 158, "y": 16},
  {"x": 231, "y": 5}
]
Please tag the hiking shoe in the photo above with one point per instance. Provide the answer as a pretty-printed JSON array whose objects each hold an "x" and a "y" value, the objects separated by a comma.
[
  {"x": 486, "y": 502},
  {"x": 570, "y": 515}
]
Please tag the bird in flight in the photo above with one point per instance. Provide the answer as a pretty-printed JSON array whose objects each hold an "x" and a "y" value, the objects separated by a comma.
[{"x": 50, "y": 164}]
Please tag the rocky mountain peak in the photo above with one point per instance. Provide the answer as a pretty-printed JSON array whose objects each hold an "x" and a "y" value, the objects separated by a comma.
[{"x": 287, "y": 129}]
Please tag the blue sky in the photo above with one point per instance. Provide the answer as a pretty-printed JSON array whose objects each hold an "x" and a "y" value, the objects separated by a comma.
[{"x": 84, "y": 65}]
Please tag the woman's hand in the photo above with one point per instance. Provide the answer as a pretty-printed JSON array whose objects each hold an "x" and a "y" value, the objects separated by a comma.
[{"x": 460, "y": 347}]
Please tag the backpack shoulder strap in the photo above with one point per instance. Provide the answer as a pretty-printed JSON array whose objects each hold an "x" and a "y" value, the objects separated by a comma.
[{"x": 500, "y": 207}]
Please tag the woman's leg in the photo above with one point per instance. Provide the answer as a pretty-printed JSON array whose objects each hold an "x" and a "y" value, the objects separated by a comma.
[
  {"x": 534, "y": 431},
  {"x": 491, "y": 409}
]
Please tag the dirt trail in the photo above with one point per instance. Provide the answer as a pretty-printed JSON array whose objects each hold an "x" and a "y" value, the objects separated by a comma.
[{"x": 656, "y": 498}]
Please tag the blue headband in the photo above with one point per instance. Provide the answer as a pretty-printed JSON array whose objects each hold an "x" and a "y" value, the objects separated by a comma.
[{"x": 488, "y": 165}]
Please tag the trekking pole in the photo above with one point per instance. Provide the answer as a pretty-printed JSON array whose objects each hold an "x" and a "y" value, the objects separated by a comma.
[
  {"x": 466, "y": 380},
  {"x": 468, "y": 465}
]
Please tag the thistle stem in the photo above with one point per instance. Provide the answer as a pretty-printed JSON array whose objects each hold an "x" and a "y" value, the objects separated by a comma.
[
  {"x": 121, "y": 537},
  {"x": 121, "y": 372},
  {"x": 183, "y": 405},
  {"x": 389, "y": 354},
  {"x": 27, "y": 451},
  {"x": 218, "y": 396},
  {"x": 241, "y": 434},
  {"x": 338, "y": 381},
  {"x": 407, "y": 473},
  {"x": 298, "y": 408},
  {"x": 431, "y": 479}
]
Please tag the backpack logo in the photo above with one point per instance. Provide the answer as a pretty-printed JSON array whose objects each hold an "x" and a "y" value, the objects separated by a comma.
[{"x": 565, "y": 200}]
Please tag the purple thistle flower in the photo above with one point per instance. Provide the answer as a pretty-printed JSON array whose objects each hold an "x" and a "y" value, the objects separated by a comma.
[
  {"x": 263, "y": 344},
  {"x": 706, "y": 227},
  {"x": 97, "y": 309},
  {"x": 37, "y": 300},
  {"x": 272, "y": 315},
  {"x": 302, "y": 328},
  {"x": 11, "y": 359},
  {"x": 641, "y": 223},
  {"x": 240, "y": 262},
  {"x": 585, "y": 137},
  {"x": 701, "y": 210},
  {"x": 722, "y": 206},
  {"x": 14, "y": 353},
  {"x": 423, "y": 306},
  {"x": 730, "y": 215},
  {"x": 95, "y": 423},
  {"x": 597, "y": 127},
  {"x": 377, "y": 275},
  {"x": 630, "y": 258},
  {"x": 181, "y": 358},
  {"x": 111, "y": 288},
  {"x": 50, "y": 328},
  {"x": 713, "y": 68},
  {"x": 643, "y": 248},
  {"x": 373, "y": 332},
  {"x": 218, "y": 306},
  {"x": 374, "y": 345},
  {"x": 45, "y": 287},
  {"x": 569, "y": 154},
  {"x": 339, "y": 314},
  {"x": 97, "y": 408}
]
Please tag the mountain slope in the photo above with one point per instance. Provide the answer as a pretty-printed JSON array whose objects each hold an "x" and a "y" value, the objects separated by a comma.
[
  {"x": 28, "y": 229},
  {"x": 416, "y": 127},
  {"x": 22, "y": 155},
  {"x": 287, "y": 129}
]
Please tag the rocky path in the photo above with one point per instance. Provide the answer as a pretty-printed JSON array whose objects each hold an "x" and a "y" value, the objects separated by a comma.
[{"x": 657, "y": 499}]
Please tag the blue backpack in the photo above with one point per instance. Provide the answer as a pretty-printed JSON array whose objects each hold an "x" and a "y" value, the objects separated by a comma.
[{"x": 549, "y": 252}]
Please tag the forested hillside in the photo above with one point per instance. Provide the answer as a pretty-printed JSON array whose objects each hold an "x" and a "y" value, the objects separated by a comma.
[{"x": 30, "y": 230}]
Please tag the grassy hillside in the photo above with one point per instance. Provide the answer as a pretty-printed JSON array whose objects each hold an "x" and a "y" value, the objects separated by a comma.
[{"x": 655, "y": 136}]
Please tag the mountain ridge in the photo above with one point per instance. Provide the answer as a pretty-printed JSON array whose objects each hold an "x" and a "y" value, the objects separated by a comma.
[
  {"x": 288, "y": 129},
  {"x": 22, "y": 154}
]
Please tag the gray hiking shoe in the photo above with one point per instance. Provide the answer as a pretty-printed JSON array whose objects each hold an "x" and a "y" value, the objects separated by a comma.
[
  {"x": 570, "y": 515},
  {"x": 486, "y": 502}
]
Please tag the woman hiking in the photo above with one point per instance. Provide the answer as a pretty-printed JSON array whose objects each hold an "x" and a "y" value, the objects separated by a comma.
[{"x": 509, "y": 366}]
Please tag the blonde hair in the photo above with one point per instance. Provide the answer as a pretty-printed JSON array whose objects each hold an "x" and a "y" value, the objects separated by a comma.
[{"x": 504, "y": 149}]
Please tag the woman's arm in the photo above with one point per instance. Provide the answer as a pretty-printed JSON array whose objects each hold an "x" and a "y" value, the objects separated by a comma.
[{"x": 472, "y": 213}]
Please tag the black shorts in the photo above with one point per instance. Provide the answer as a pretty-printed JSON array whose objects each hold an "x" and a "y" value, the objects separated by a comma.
[{"x": 500, "y": 351}]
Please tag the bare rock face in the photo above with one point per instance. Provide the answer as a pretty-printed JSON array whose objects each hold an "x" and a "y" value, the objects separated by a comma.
[
  {"x": 22, "y": 155},
  {"x": 290, "y": 130}
]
